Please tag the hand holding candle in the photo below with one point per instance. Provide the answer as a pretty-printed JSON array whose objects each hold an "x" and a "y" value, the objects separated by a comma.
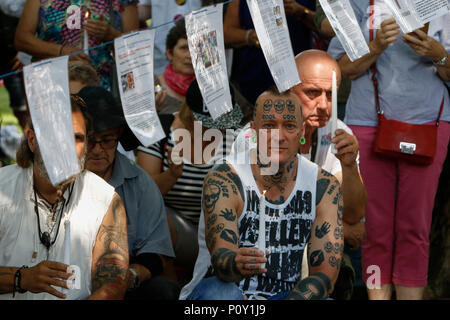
[
  {"x": 333, "y": 118},
  {"x": 85, "y": 34},
  {"x": 67, "y": 248}
]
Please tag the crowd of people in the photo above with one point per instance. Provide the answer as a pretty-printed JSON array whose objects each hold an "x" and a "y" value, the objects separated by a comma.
[{"x": 153, "y": 223}]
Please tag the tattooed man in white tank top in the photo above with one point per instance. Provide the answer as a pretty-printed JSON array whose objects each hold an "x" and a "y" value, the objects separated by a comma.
[{"x": 303, "y": 209}]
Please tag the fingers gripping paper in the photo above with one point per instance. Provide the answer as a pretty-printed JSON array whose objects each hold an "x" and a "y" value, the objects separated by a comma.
[
  {"x": 271, "y": 28},
  {"x": 405, "y": 14},
  {"x": 47, "y": 90},
  {"x": 204, "y": 29},
  {"x": 134, "y": 56}
]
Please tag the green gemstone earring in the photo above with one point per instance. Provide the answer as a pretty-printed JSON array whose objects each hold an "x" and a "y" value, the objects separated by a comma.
[{"x": 302, "y": 140}]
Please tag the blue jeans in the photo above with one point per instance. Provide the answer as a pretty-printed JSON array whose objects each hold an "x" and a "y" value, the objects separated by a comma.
[{"x": 215, "y": 289}]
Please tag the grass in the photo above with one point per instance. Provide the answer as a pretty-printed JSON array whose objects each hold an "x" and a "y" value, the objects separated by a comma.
[{"x": 6, "y": 114}]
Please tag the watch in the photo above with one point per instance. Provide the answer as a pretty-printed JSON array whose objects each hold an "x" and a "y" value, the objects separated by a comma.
[
  {"x": 441, "y": 62},
  {"x": 137, "y": 282}
]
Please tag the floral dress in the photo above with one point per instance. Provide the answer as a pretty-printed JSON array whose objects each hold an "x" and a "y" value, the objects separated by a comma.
[{"x": 52, "y": 27}]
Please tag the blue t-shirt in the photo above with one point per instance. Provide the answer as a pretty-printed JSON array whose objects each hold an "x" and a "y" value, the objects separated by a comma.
[
  {"x": 410, "y": 89},
  {"x": 148, "y": 231}
]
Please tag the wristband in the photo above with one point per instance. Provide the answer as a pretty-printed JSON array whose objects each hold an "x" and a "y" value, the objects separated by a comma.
[{"x": 17, "y": 279}]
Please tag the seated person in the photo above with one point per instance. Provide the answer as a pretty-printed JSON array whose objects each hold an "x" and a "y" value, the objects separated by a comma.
[
  {"x": 181, "y": 184},
  {"x": 149, "y": 242},
  {"x": 82, "y": 74},
  {"x": 179, "y": 73},
  {"x": 33, "y": 229},
  {"x": 303, "y": 202}
]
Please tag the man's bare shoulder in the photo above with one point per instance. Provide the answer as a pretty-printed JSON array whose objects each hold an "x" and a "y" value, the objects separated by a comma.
[
  {"x": 222, "y": 182},
  {"x": 225, "y": 173}
]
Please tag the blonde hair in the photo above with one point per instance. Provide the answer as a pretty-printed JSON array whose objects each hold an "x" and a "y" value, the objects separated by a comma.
[{"x": 83, "y": 72}]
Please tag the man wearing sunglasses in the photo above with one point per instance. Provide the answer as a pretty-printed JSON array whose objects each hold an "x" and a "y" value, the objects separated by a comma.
[{"x": 150, "y": 247}]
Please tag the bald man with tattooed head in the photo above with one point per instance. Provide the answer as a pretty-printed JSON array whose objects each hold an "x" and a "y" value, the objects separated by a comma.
[{"x": 299, "y": 198}]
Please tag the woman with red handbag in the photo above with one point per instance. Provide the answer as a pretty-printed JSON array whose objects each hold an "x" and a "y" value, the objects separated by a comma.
[{"x": 399, "y": 109}]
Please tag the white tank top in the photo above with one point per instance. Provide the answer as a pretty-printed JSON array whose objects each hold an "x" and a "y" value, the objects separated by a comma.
[
  {"x": 19, "y": 237},
  {"x": 288, "y": 227}
]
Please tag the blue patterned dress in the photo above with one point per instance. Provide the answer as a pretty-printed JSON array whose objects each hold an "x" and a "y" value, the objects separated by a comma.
[{"x": 52, "y": 27}]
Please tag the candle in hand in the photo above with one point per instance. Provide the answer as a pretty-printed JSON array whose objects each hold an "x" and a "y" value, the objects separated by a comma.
[
  {"x": 66, "y": 246},
  {"x": 85, "y": 34},
  {"x": 333, "y": 110},
  {"x": 262, "y": 225}
]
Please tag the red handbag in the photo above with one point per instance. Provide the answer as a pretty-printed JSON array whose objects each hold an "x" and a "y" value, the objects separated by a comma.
[{"x": 413, "y": 142}]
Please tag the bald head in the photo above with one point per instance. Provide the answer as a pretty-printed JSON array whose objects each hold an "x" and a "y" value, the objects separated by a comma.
[
  {"x": 316, "y": 62},
  {"x": 315, "y": 68}
]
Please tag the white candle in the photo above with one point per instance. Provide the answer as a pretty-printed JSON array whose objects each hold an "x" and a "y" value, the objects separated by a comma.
[
  {"x": 85, "y": 35},
  {"x": 67, "y": 247},
  {"x": 333, "y": 109},
  {"x": 262, "y": 225}
]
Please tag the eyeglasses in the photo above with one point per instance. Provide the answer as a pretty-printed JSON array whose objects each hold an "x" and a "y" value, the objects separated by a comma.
[{"x": 106, "y": 144}]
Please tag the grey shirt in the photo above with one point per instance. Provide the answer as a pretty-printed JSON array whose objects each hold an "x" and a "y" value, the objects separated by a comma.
[{"x": 148, "y": 231}]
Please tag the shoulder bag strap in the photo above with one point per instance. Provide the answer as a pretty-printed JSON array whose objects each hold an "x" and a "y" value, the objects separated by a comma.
[{"x": 374, "y": 69}]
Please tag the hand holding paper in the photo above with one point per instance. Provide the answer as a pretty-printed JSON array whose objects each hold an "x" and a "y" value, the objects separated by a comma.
[
  {"x": 424, "y": 45},
  {"x": 387, "y": 34}
]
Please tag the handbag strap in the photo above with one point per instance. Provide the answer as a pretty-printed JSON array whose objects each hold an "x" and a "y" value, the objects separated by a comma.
[{"x": 374, "y": 69}]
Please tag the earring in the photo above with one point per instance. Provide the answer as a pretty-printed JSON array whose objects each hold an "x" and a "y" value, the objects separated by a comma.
[{"x": 302, "y": 140}]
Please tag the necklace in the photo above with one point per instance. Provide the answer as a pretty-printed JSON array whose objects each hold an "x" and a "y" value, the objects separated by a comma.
[{"x": 46, "y": 236}]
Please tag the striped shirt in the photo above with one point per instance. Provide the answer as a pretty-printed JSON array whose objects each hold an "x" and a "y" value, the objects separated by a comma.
[{"x": 185, "y": 196}]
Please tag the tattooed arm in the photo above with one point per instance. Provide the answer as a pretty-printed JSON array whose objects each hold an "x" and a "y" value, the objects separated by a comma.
[
  {"x": 110, "y": 255},
  {"x": 222, "y": 201},
  {"x": 353, "y": 190},
  {"x": 326, "y": 243}
]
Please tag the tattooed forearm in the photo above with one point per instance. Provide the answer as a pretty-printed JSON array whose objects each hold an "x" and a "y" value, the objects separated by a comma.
[
  {"x": 110, "y": 270},
  {"x": 315, "y": 287},
  {"x": 324, "y": 229},
  {"x": 322, "y": 186},
  {"x": 224, "y": 264},
  {"x": 228, "y": 214},
  {"x": 229, "y": 236},
  {"x": 211, "y": 237},
  {"x": 111, "y": 261},
  {"x": 316, "y": 258}
]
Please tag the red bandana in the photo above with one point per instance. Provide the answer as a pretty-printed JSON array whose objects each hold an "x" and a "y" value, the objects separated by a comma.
[{"x": 176, "y": 81}]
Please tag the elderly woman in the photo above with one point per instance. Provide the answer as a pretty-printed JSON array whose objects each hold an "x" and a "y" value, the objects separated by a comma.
[
  {"x": 181, "y": 184},
  {"x": 410, "y": 70},
  {"x": 178, "y": 74},
  {"x": 43, "y": 31}
]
